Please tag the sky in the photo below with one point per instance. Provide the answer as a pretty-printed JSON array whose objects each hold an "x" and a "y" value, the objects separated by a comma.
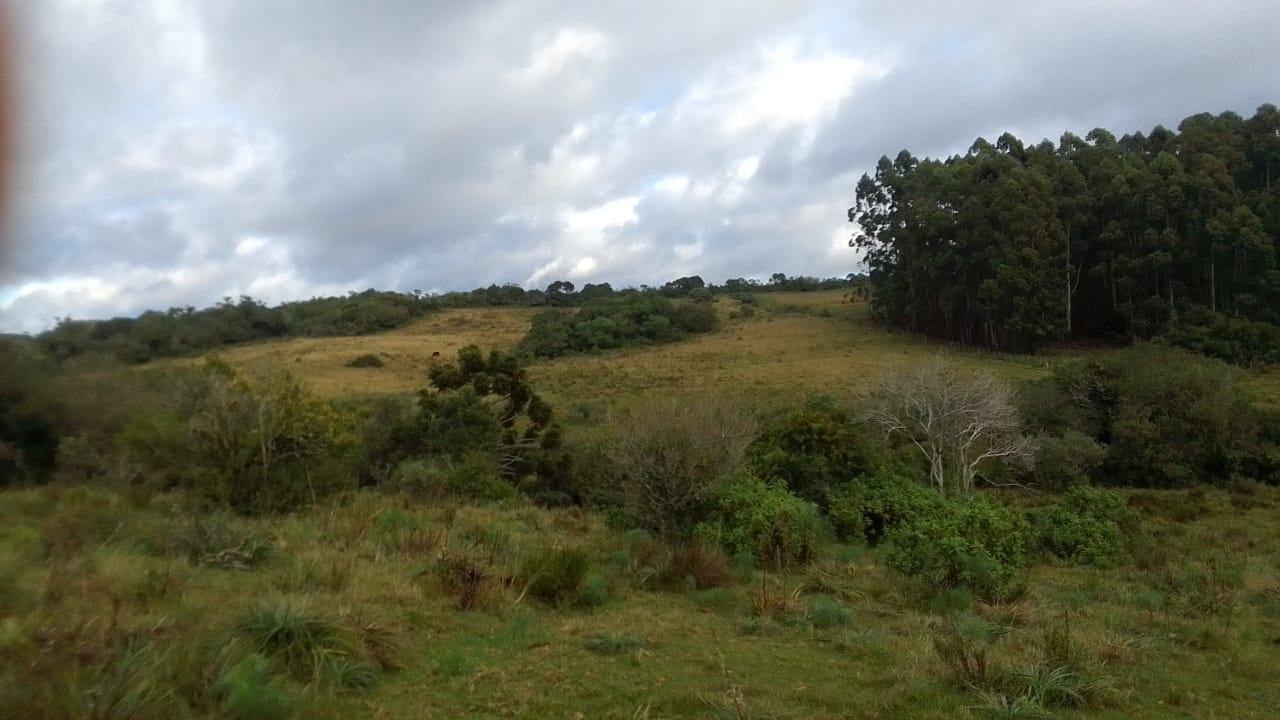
[{"x": 175, "y": 152}]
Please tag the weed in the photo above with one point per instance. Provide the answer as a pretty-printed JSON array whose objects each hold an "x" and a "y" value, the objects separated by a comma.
[
  {"x": 381, "y": 644},
  {"x": 331, "y": 575},
  {"x": 158, "y": 583},
  {"x": 613, "y": 643},
  {"x": 996, "y": 706},
  {"x": 1052, "y": 686},
  {"x": 721, "y": 599},
  {"x": 211, "y": 539},
  {"x": 951, "y": 601},
  {"x": 405, "y": 532},
  {"x": 555, "y": 575},
  {"x": 823, "y": 612},
  {"x": 464, "y": 577},
  {"x": 249, "y": 691},
  {"x": 697, "y": 565},
  {"x": 963, "y": 644},
  {"x": 367, "y": 360},
  {"x": 595, "y": 591},
  {"x": 346, "y": 672},
  {"x": 453, "y": 662},
  {"x": 1207, "y": 587}
]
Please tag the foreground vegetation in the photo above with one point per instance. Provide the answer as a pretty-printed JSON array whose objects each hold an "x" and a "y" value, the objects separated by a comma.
[{"x": 122, "y": 607}]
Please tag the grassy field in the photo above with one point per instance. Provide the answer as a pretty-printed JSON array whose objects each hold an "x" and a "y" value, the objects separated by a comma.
[
  {"x": 795, "y": 343},
  {"x": 116, "y": 605},
  {"x": 1191, "y": 630}
]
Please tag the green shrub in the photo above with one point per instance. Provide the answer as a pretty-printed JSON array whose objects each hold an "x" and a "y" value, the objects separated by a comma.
[
  {"x": 1088, "y": 526},
  {"x": 367, "y": 360},
  {"x": 249, "y": 691},
  {"x": 28, "y": 415},
  {"x": 762, "y": 518},
  {"x": 813, "y": 449},
  {"x": 1065, "y": 460},
  {"x": 256, "y": 445},
  {"x": 556, "y": 575},
  {"x": 1238, "y": 341},
  {"x": 616, "y": 321},
  {"x": 822, "y": 612},
  {"x": 974, "y": 543},
  {"x": 474, "y": 476},
  {"x": 868, "y": 508},
  {"x": 1166, "y": 417},
  {"x": 669, "y": 457}
]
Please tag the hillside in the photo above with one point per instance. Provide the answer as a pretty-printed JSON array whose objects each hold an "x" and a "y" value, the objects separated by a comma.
[
  {"x": 803, "y": 342},
  {"x": 807, "y": 342}
]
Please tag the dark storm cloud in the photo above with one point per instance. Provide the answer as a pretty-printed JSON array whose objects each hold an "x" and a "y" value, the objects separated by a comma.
[{"x": 180, "y": 151}]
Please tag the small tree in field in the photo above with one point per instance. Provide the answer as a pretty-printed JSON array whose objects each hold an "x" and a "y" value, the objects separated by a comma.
[
  {"x": 957, "y": 419},
  {"x": 670, "y": 456}
]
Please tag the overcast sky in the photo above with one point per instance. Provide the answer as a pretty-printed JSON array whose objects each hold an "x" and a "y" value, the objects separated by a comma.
[{"x": 179, "y": 151}]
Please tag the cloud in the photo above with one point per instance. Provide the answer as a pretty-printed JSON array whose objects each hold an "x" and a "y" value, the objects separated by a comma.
[{"x": 179, "y": 151}]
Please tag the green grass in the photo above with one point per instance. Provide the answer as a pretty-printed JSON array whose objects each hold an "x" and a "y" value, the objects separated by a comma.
[{"x": 1191, "y": 629}]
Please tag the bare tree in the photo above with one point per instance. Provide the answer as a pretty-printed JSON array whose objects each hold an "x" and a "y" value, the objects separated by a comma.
[
  {"x": 957, "y": 419},
  {"x": 670, "y": 455}
]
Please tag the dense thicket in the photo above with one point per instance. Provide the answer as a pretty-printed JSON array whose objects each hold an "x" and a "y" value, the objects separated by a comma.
[
  {"x": 187, "y": 331},
  {"x": 625, "y": 320},
  {"x": 1157, "y": 417},
  {"x": 1012, "y": 245}
]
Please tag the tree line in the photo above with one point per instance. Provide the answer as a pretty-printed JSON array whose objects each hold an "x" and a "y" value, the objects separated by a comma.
[
  {"x": 1013, "y": 246},
  {"x": 188, "y": 331}
]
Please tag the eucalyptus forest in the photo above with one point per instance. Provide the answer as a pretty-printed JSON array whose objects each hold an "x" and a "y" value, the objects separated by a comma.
[{"x": 1014, "y": 246}]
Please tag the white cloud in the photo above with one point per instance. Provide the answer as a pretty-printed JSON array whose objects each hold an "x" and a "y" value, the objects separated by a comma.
[
  {"x": 565, "y": 48},
  {"x": 178, "y": 151}
]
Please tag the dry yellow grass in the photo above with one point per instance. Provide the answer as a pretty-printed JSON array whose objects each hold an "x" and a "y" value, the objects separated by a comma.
[
  {"x": 406, "y": 352},
  {"x": 775, "y": 356},
  {"x": 797, "y": 343}
]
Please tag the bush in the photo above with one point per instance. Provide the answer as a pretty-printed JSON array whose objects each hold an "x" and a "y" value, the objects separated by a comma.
[
  {"x": 697, "y": 565},
  {"x": 1066, "y": 460},
  {"x": 868, "y": 508},
  {"x": 1234, "y": 340},
  {"x": 257, "y": 445},
  {"x": 28, "y": 415},
  {"x": 813, "y": 449},
  {"x": 486, "y": 404},
  {"x": 211, "y": 539},
  {"x": 670, "y": 456},
  {"x": 367, "y": 360},
  {"x": 974, "y": 543},
  {"x": 616, "y": 321},
  {"x": 764, "y": 519},
  {"x": 555, "y": 575},
  {"x": 1167, "y": 418},
  {"x": 822, "y": 612},
  {"x": 1087, "y": 526},
  {"x": 473, "y": 476}
]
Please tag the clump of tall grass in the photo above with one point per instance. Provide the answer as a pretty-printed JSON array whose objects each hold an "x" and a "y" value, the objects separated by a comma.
[{"x": 309, "y": 647}]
